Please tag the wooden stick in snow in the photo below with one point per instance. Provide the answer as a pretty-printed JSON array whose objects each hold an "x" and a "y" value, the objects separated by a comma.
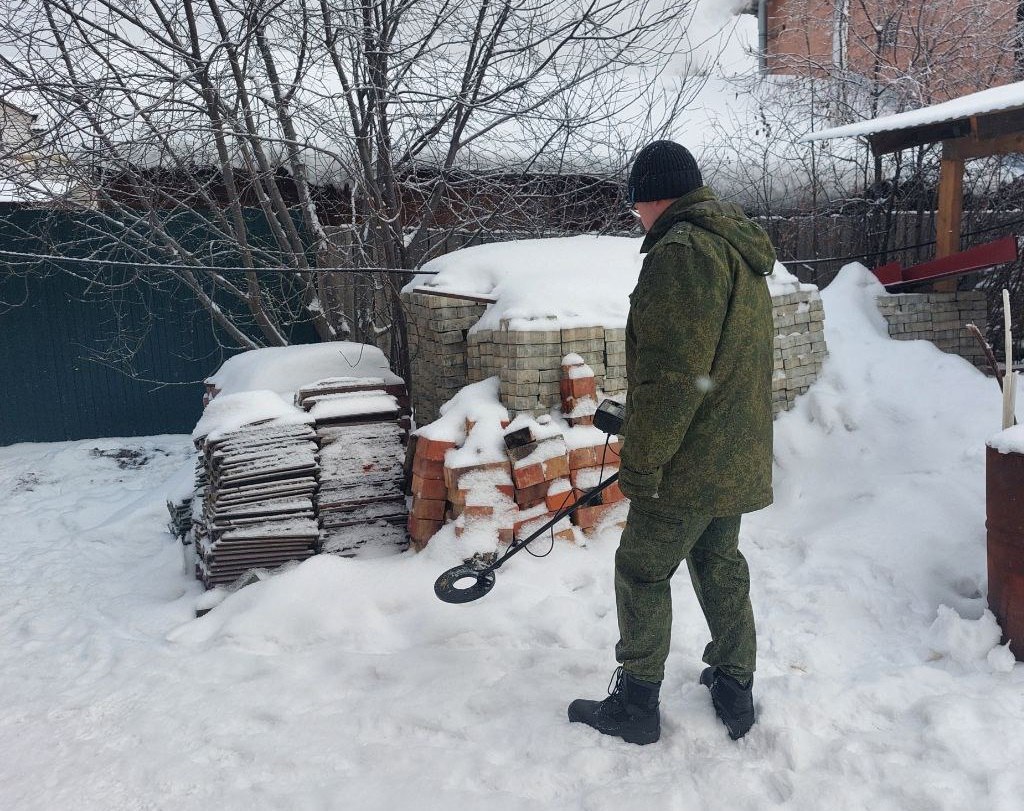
[{"x": 990, "y": 356}]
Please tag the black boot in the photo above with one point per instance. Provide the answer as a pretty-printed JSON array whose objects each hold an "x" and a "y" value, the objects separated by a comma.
[
  {"x": 733, "y": 702},
  {"x": 630, "y": 712}
]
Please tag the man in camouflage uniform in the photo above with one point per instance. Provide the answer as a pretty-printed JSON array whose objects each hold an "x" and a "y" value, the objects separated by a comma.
[{"x": 697, "y": 449}]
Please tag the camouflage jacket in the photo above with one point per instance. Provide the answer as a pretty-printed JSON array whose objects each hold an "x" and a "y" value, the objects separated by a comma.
[{"x": 698, "y": 422}]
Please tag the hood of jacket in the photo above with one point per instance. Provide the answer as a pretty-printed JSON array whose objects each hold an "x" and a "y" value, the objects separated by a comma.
[{"x": 702, "y": 209}]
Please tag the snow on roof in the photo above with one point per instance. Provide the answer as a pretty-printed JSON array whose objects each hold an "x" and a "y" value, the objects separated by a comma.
[
  {"x": 557, "y": 283},
  {"x": 1004, "y": 97}
]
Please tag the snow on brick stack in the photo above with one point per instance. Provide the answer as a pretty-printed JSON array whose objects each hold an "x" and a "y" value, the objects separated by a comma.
[
  {"x": 554, "y": 297},
  {"x": 488, "y": 476},
  {"x": 361, "y": 426},
  {"x": 261, "y": 469}
]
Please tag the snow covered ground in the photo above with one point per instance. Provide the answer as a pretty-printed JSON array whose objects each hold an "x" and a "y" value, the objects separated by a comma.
[{"x": 345, "y": 684}]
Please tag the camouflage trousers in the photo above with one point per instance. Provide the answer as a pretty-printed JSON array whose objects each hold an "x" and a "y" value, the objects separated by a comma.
[{"x": 650, "y": 551}]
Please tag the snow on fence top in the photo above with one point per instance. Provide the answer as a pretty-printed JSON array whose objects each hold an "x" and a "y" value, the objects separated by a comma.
[
  {"x": 994, "y": 99},
  {"x": 283, "y": 369},
  {"x": 559, "y": 283}
]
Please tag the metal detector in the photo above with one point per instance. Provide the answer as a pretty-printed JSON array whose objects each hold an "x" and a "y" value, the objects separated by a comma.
[{"x": 468, "y": 582}]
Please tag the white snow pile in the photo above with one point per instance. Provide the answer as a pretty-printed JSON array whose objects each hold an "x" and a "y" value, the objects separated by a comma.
[
  {"x": 345, "y": 684},
  {"x": 1010, "y": 440},
  {"x": 557, "y": 283},
  {"x": 229, "y": 412},
  {"x": 477, "y": 405},
  {"x": 284, "y": 369}
]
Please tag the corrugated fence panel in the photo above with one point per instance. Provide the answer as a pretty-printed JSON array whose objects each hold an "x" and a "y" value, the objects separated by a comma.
[
  {"x": 55, "y": 388},
  {"x": 56, "y": 374}
]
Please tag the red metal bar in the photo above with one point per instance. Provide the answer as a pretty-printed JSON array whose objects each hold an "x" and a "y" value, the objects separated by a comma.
[{"x": 980, "y": 257}]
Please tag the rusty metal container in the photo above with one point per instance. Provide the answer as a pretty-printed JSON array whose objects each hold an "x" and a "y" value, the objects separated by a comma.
[{"x": 1004, "y": 485}]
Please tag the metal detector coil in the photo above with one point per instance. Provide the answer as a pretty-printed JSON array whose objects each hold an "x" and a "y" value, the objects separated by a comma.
[{"x": 448, "y": 590}]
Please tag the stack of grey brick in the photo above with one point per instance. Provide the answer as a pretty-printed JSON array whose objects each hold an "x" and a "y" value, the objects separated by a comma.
[
  {"x": 615, "y": 361},
  {"x": 800, "y": 347},
  {"x": 529, "y": 366},
  {"x": 528, "y": 362},
  {"x": 938, "y": 317},
  {"x": 437, "y": 329}
]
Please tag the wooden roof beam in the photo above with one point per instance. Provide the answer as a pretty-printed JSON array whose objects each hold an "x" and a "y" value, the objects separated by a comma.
[
  {"x": 972, "y": 146},
  {"x": 882, "y": 143}
]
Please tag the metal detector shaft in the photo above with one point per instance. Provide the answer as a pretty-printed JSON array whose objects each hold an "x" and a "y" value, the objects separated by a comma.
[{"x": 585, "y": 499}]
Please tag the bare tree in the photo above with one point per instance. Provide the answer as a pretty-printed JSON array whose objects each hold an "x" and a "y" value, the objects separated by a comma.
[{"x": 272, "y": 137}]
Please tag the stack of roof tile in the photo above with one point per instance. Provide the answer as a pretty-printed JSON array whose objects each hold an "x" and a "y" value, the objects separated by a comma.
[
  {"x": 361, "y": 425},
  {"x": 257, "y": 510}
]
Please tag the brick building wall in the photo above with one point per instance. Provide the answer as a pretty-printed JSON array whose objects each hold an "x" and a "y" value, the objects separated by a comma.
[{"x": 948, "y": 48}]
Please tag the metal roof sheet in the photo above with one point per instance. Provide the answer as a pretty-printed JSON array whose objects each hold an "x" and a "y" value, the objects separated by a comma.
[{"x": 1004, "y": 97}]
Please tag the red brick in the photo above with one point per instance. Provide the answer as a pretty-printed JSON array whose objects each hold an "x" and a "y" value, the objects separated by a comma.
[
  {"x": 580, "y": 387},
  {"x": 432, "y": 449},
  {"x": 528, "y": 496},
  {"x": 592, "y": 456},
  {"x": 556, "y": 467},
  {"x": 584, "y": 457},
  {"x": 422, "y": 530},
  {"x": 612, "y": 494},
  {"x": 429, "y": 509},
  {"x": 529, "y": 519},
  {"x": 508, "y": 490},
  {"x": 453, "y": 474},
  {"x": 588, "y": 517},
  {"x": 562, "y": 500},
  {"x": 586, "y": 419},
  {"x": 479, "y": 511},
  {"x": 428, "y": 469},
  {"x": 566, "y": 535},
  {"x": 585, "y": 478},
  {"x": 528, "y": 476},
  {"x": 428, "y": 488}
]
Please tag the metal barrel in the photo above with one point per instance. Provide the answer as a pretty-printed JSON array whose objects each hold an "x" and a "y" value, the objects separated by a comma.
[{"x": 1004, "y": 487}]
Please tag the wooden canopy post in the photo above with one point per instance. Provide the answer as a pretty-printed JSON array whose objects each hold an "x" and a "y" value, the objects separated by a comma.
[
  {"x": 951, "y": 204},
  {"x": 949, "y": 217}
]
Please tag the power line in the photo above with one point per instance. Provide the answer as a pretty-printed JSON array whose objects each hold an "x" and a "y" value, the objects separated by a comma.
[{"x": 56, "y": 258}]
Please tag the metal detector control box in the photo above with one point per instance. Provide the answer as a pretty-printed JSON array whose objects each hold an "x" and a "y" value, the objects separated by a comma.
[{"x": 608, "y": 416}]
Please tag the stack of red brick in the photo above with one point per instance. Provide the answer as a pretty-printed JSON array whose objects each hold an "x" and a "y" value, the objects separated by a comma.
[
  {"x": 543, "y": 472},
  {"x": 579, "y": 391}
]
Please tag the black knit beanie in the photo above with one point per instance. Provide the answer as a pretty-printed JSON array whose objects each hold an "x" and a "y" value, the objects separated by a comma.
[{"x": 663, "y": 170}]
